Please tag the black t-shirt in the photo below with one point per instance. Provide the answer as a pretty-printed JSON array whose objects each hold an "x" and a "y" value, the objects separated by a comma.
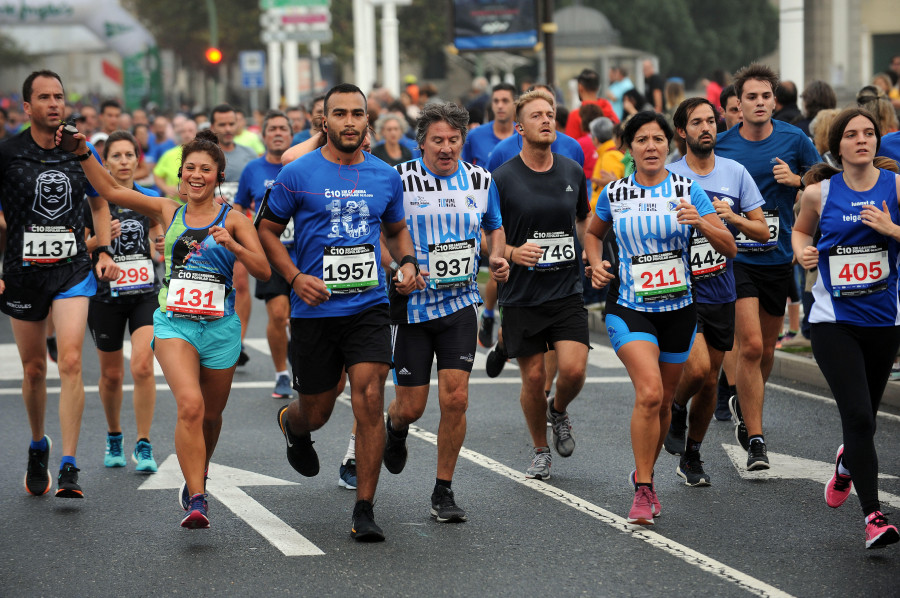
[
  {"x": 43, "y": 193},
  {"x": 542, "y": 207},
  {"x": 380, "y": 152},
  {"x": 655, "y": 81}
]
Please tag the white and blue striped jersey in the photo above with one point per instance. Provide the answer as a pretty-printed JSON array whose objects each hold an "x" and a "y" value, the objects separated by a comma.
[
  {"x": 654, "y": 273},
  {"x": 445, "y": 215}
]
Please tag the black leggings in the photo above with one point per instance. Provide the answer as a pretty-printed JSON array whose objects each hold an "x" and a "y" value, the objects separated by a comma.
[{"x": 856, "y": 362}]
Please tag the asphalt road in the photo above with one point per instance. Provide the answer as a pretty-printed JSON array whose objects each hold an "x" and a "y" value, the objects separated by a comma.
[{"x": 276, "y": 533}]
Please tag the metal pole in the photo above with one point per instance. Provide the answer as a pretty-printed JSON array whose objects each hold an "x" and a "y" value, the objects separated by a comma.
[
  {"x": 549, "y": 28},
  {"x": 291, "y": 74},
  {"x": 360, "y": 62},
  {"x": 274, "y": 64},
  {"x": 390, "y": 48}
]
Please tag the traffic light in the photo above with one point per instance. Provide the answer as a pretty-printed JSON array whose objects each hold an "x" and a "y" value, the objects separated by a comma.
[{"x": 213, "y": 55}]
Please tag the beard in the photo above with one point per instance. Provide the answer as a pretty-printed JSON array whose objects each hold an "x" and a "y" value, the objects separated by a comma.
[
  {"x": 343, "y": 146},
  {"x": 699, "y": 148},
  {"x": 536, "y": 140}
]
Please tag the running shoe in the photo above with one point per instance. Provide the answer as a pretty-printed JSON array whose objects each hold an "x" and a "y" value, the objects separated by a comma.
[
  {"x": 114, "y": 456},
  {"x": 283, "y": 389},
  {"x": 37, "y": 475},
  {"x": 51, "y": 348},
  {"x": 690, "y": 468},
  {"x": 757, "y": 456},
  {"x": 879, "y": 533},
  {"x": 540, "y": 464},
  {"x": 67, "y": 482},
  {"x": 486, "y": 332},
  {"x": 838, "y": 487},
  {"x": 496, "y": 360},
  {"x": 347, "y": 475},
  {"x": 395, "y": 452},
  {"x": 895, "y": 372},
  {"x": 198, "y": 513},
  {"x": 740, "y": 428},
  {"x": 243, "y": 358},
  {"x": 300, "y": 452},
  {"x": 654, "y": 499},
  {"x": 143, "y": 457},
  {"x": 364, "y": 527},
  {"x": 722, "y": 413},
  {"x": 561, "y": 426},
  {"x": 675, "y": 438},
  {"x": 184, "y": 497},
  {"x": 641, "y": 512},
  {"x": 444, "y": 508}
]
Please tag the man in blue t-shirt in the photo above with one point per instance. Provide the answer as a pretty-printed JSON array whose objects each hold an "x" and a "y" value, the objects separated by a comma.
[
  {"x": 480, "y": 142},
  {"x": 342, "y": 199},
  {"x": 738, "y": 203},
  {"x": 776, "y": 154},
  {"x": 256, "y": 179}
]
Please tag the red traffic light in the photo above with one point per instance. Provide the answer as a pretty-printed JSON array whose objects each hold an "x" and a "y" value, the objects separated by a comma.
[{"x": 214, "y": 55}]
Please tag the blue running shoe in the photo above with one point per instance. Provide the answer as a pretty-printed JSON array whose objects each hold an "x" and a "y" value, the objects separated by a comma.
[
  {"x": 184, "y": 497},
  {"x": 347, "y": 477},
  {"x": 114, "y": 456},
  {"x": 198, "y": 516},
  {"x": 143, "y": 457},
  {"x": 283, "y": 389}
]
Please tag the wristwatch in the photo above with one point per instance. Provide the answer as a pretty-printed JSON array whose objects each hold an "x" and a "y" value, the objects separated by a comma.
[
  {"x": 410, "y": 259},
  {"x": 105, "y": 249}
]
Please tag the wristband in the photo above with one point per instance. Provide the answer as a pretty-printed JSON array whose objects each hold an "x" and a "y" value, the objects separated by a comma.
[
  {"x": 84, "y": 156},
  {"x": 295, "y": 278},
  {"x": 410, "y": 259}
]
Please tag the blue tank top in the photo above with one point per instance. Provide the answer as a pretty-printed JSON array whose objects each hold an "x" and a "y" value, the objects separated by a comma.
[{"x": 857, "y": 266}]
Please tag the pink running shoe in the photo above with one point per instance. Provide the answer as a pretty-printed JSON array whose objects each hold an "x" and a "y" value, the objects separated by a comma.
[
  {"x": 838, "y": 487},
  {"x": 641, "y": 512},
  {"x": 654, "y": 500},
  {"x": 879, "y": 533}
]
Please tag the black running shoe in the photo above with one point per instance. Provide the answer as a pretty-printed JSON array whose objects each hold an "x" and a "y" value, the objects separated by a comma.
[
  {"x": 395, "y": 452},
  {"x": 757, "y": 456},
  {"x": 444, "y": 508},
  {"x": 486, "y": 332},
  {"x": 496, "y": 359},
  {"x": 300, "y": 452},
  {"x": 675, "y": 440},
  {"x": 37, "y": 476},
  {"x": 51, "y": 348},
  {"x": 364, "y": 527},
  {"x": 690, "y": 468},
  {"x": 67, "y": 483},
  {"x": 740, "y": 428},
  {"x": 722, "y": 413},
  {"x": 243, "y": 358}
]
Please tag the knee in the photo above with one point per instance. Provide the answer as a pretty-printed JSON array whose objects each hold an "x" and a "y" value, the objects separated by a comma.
[
  {"x": 407, "y": 410},
  {"x": 752, "y": 349},
  {"x": 241, "y": 284},
  {"x": 70, "y": 364},
  {"x": 648, "y": 395},
  {"x": 35, "y": 371},
  {"x": 112, "y": 377},
  {"x": 534, "y": 377},
  {"x": 455, "y": 402},
  {"x": 142, "y": 370},
  {"x": 572, "y": 372},
  {"x": 190, "y": 410}
]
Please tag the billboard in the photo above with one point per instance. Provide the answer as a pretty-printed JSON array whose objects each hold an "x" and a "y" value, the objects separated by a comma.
[{"x": 494, "y": 24}]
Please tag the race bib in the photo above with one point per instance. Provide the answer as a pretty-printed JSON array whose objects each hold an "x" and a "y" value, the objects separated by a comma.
[
  {"x": 350, "y": 269},
  {"x": 857, "y": 270},
  {"x": 706, "y": 262},
  {"x": 558, "y": 249},
  {"x": 287, "y": 235},
  {"x": 451, "y": 265},
  {"x": 44, "y": 245},
  {"x": 136, "y": 275},
  {"x": 196, "y": 295},
  {"x": 658, "y": 276},
  {"x": 747, "y": 245}
]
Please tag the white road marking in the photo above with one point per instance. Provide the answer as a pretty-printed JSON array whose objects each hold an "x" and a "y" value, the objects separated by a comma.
[
  {"x": 825, "y": 399},
  {"x": 224, "y": 484},
  {"x": 788, "y": 467},
  {"x": 690, "y": 556}
]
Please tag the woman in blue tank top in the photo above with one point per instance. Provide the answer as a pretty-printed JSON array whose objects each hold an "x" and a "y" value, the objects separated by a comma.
[
  {"x": 196, "y": 332},
  {"x": 855, "y": 320}
]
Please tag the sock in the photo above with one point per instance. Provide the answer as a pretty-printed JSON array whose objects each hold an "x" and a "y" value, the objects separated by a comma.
[
  {"x": 723, "y": 379},
  {"x": 554, "y": 411},
  {"x": 639, "y": 484},
  {"x": 841, "y": 469},
  {"x": 40, "y": 445},
  {"x": 281, "y": 373},
  {"x": 756, "y": 438},
  {"x": 147, "y": 440},
  {"x": 693, "y": 446},
  {"x": 445, "y": 483},
  {"x": 677, "y": 407},
  {"x": 67, "y": 459},
  {"x": 351, "y": 450},
  {"x": 114, "y": 435},
  {"x": 488, "y": 313}
]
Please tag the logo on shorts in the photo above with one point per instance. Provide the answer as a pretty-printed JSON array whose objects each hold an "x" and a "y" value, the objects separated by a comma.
[
  {"x": 404, "y": 372},
  {"x": 611, "y": 330},
  {"x": 467, "y": 358}
]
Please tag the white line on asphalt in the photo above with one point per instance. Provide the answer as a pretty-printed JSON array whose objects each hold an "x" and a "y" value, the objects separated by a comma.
[
  {"x": 825, "y": 399},
  {"x": 690, "y": 556}
]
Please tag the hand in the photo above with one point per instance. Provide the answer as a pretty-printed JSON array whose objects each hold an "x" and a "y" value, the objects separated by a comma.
[
  {"x": 688, "y": 214},
  {"x": 784, "y": 175},
  {"x": 600, "y": 275},
  {"x": 809, "y": 259},
  {"x": 878, "y": 220},
  {"x": 160, "y": 244},
  {"x": 221, "y": 236},
  {"x": 2, "y": 286},
  {"x": 723, "y": 210},
  {"x": 499, "y": 269},
  {"x": 115, "y": 229},
  {"x": 82, "y": 140},
  {"x": 311, "y": 289},
  {"x": 106, "y": 269},
  {"x": 527, "y": 254},
  {"x": 406, "y": 281}
]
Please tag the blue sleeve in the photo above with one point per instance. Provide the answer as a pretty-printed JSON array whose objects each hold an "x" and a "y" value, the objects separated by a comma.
[
  {"x": 603, "y": 210},
  {"x": 394, "y": 211},
  {"x": 90, "y": 191},
  {"x": 282, "y": 202},
  {"x": 466, "y": 155},
  {"x": 579, "y": 152},
  {"x": 494, "y": 161},
  {"x": 700, "y": 199},
  {"x": 492, "y": 219},
  {"x": 750, "y": 196},
  {"x": 809, "y": 155},
  {"x": 243, "y": 197}
]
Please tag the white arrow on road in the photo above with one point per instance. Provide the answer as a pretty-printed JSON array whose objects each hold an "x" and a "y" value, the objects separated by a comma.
[
  {"x": 787, "y": 467},
  {"x": 224, "y": 484}
]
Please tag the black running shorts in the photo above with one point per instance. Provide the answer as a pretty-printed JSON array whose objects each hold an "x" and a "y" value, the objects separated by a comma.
[
  {"x": 535, "y": 329},
  {"x": 770, "y": 284},
  {"x": 716, "y": 322},
  {"x": 451, "y": 338}
]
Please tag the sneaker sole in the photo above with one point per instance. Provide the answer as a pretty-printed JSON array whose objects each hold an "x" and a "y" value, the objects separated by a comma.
[
  {"x": 115, "y": 463},
  {"x": 150, "y": 467},
  {"x": 758, "y": 466},
  {"x": 275, "y": 395},
  {"x": 702, "y": 482},
  {"x": 454, "y": 519},
  {"x": 367, "y": 536},
  {"x": 537, "y": 477},
  {"x": 344, "y": 484},
  {"x": 640, "y": 521},
  {"x": 195, "y": 520},
  {"x": 738, "y": 423},
  {"x": 69, "y": 493},
  {"x": 49, "y": 477},
  {"x": 885, "y": 539}
]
